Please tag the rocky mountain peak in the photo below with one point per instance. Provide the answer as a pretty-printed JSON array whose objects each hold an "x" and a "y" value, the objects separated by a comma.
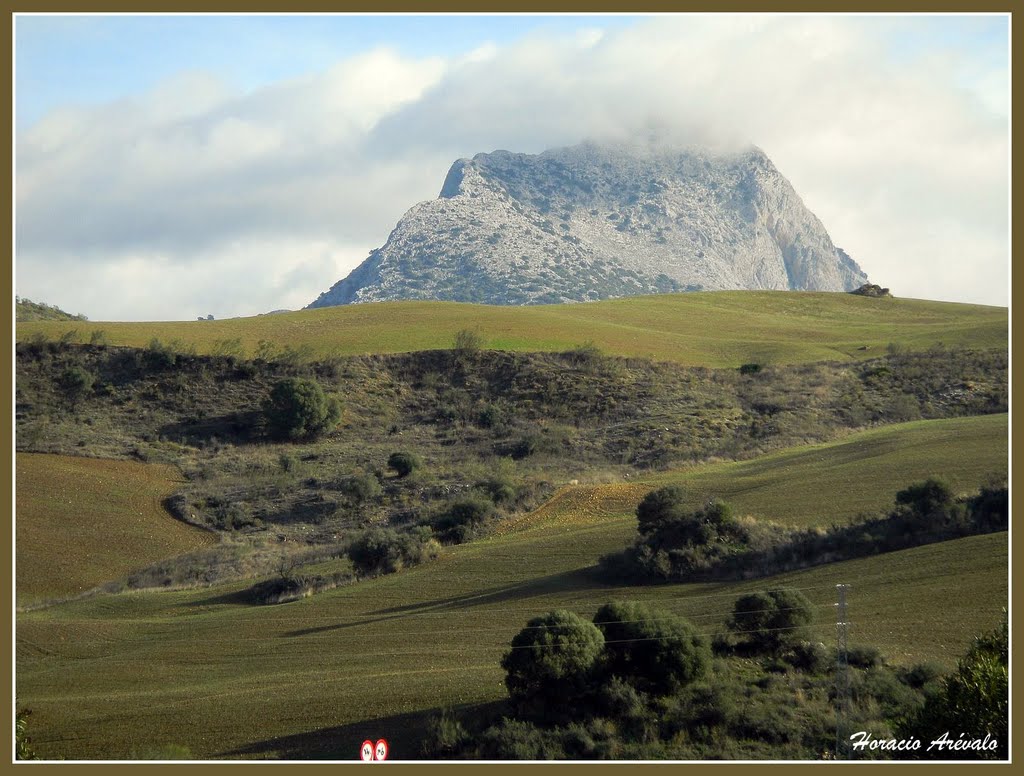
[{"x": 594, "y": 221}]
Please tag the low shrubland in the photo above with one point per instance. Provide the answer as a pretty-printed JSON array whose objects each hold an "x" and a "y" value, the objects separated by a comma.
[{"x": 447, "y": 441}]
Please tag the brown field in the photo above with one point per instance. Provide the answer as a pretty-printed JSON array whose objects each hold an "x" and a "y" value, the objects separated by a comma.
[{"x": 85, "y": 521}]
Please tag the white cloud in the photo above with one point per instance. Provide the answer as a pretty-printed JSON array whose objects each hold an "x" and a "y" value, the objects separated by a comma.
[
  {"x": 192, "y": 199},
  {"x": 242, "y": 277}
]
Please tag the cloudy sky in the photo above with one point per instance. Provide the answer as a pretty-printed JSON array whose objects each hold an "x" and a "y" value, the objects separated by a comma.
[{"x": 171, "y": 167}]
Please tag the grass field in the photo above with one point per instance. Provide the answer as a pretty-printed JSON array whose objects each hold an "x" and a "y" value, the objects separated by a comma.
[
  {"x": 85, "y": 521},
  {"x": 113, "y": 676},
  {"x": 726, "y": 328}
]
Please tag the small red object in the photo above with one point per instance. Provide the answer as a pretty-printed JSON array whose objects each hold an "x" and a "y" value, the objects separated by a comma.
[
  {"x": 380, "y": 752},
  {"x": 366, "y": 751}
]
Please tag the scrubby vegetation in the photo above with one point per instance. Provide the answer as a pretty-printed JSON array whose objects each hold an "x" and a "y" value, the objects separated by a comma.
[
  {"x": 675, "y": 544},
  {"x": 22, "y": 742},
  {"x": 641, "y": 683}
]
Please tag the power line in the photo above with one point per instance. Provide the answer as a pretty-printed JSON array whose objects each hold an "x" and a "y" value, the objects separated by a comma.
[
  {"x": 470, "y": 649},
  {"x": 480, "y": 648},
  {"x": 456, "y": 630},
  {"x": 591, "y": 592}
]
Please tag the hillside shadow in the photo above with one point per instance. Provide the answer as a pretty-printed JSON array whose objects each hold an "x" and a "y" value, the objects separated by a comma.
[
  {"x": 575, "y": 581},
  {"x": 234, "y": 427},
  {"x": 404, "y": 734},
  {"x": 243, "y": 596}
]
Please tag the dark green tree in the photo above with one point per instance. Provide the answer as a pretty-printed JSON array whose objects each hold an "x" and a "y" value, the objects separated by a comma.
[
  {"x": 552, "y": 662},
  {"x": 714, "y": 522},
  {"x": 657, "y": 651},
  {"x": 773, "y": 620},
  {"x": 928, "y": 497},
  {"x": 298, "y": 409},
  {"x": 659, "y": 507}
]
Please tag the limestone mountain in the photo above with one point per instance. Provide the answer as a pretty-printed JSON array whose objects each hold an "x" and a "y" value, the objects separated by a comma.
[{"x": 597, "y": 221}]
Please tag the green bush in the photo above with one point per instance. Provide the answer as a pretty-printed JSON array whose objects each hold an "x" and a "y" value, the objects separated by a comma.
[
  {"x": 770, "y": 621},
  {"x": 446, "y": 736},
  {"x": 77, "y": 381},
  {"x": 514, "y": 739},
  {"x": 990, "y": 509},
  {"x": 23, "y": 744},
  {"x": 385, "y": 550},
  {"x": 468, "y": 341},
  {"x": 298, "y": 409},
  {"x": 404, "y": 463},
  {"x": 159, "y": 356},
  {"x": 292, "y": 587},
  {"x": 490, "y": 416},
  {"x": 810, "y": 657},
  {"x": 361, "y": 488},
  {"x": 524, "y": 447},
  {"x": 861, "y": 656},
  {"x": 620, "y": 701},
  {"x": 921, "y": 674},
  {"x": 595, "y": 740},
  {"x": 463, "y": 517},
  {"x": 973, "y": 700},
  {"x": 714, "y": 523},
  {"x": 498, "y": 488},
  {"x": 657, "y": 651}
]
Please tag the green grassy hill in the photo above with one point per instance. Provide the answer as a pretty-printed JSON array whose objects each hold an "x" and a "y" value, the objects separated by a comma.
[
  {"x": 726, "y": 328},
  {"x": 118, "y": 675},
  {"x": 27, "y": 310},
  {"x": 104, "y": 518}
]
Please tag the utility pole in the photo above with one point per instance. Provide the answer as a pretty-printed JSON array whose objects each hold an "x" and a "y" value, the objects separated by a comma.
[{"x": 842, "y": 675}]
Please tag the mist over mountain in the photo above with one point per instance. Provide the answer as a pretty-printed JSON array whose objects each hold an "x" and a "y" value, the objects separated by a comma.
[{"x": 595, "y": 221}]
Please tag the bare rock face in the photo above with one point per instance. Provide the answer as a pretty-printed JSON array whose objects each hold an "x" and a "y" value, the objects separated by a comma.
[{"x": 598, "y": 221}]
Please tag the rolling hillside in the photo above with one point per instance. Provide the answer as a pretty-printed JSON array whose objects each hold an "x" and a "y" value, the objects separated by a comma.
[
  {"x": 810, "y": 485},
  {"x": 85, "y": 521},
  {"x": 707, "y": 329},
  {"x": 113, "y": 676}
]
